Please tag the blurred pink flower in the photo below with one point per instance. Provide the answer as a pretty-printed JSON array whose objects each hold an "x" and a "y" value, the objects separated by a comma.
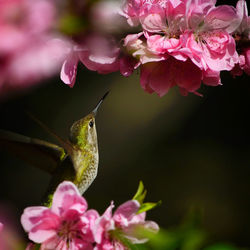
[
  {"x": 98, "y": 53},
  {"x": 29, "y": 49},
  {"x": 124, "y": 223},
  {"x": 105, "y": 16},
  {"x": 41, "y": 58},
  {"x": 69, "y": 67},
  {"x": 10, "y": 237},
  {"x": 67, "y": 224}
]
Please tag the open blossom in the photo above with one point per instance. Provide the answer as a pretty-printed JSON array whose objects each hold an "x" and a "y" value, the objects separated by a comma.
[
  {"x": 124, "y": 223},
  {"x": 212, "y": 35},
  {"x": 66, "y": 225}
]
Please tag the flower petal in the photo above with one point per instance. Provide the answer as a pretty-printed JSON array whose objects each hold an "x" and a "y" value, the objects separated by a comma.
[
  {"x": 32, "y": 216},
  {"x": 222, "y": 17},
  {"x": 126, "y": 211},
  {"x": 69, "y": 69},
  {"x": 68, "y": 197}
]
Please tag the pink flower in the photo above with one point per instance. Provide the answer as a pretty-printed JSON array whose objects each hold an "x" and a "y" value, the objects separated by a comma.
[
  {"x": 109, "y": 230},
  {"x": 66, "y": 225},
  {"x": 96, "y": 52},
  {"x": 164, "y": 17},
  {"x": 136, "y": 46},
  {"x": 127, "y": 65},
  {"x": 204, "y": 16},
  {"x": 211, "y": 27},
  {"x": 40, "y": 59},
  {"x": 131, "y": 10},
  {"x": 159, "y": 77},
  {"x": 219, "y": 50},
  {"x": 211, "y": 78},
  {"x": 100, "y": 54},
  {"x": 154, "y": 19},
  {"x": 69, "y": 67},
  {"x": 161, "y": 44}
]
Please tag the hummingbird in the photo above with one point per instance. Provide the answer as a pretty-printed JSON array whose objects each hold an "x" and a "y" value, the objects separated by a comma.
[{"x": 75, "y": 160}]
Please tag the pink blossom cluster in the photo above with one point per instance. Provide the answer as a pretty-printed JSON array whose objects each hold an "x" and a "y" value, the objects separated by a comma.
[
  {"x": 178, "y": 42},
  {"x": 185, "y": 42},
  {"x": 68, "y": 224}
]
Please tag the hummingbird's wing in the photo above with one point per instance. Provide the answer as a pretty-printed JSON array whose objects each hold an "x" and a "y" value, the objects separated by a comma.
[{"x": 39, "y": 153}]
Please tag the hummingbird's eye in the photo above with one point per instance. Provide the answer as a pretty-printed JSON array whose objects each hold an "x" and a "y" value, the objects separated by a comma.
[{"x": 91, "y": 124}]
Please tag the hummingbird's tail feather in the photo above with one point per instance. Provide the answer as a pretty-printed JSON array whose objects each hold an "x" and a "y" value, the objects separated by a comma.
[{"x": 64, "y": 143}]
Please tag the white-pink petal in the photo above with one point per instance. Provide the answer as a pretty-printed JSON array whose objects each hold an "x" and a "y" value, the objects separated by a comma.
[
  {"x": 222, "y": 17},
  {"x": 126, "y": 211},
  {"x": 40, "y": 236},
  {"x": 69, "y": 70},
  {"x": 32, "y": 216},
  {"x": 65, "y": 196}
]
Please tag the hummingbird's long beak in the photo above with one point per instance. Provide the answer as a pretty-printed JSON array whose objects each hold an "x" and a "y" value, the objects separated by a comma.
[{"x": 99, "y": 104}]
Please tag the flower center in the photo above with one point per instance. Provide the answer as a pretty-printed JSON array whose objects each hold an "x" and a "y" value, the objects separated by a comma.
[{"x": 69, "y": 230}]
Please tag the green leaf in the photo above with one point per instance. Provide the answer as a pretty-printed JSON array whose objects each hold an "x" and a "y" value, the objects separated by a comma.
[
  {"x": 140, "y": 196},
  {"x": 148, "y": 206},
  {"x": 140, "y": 193}
]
